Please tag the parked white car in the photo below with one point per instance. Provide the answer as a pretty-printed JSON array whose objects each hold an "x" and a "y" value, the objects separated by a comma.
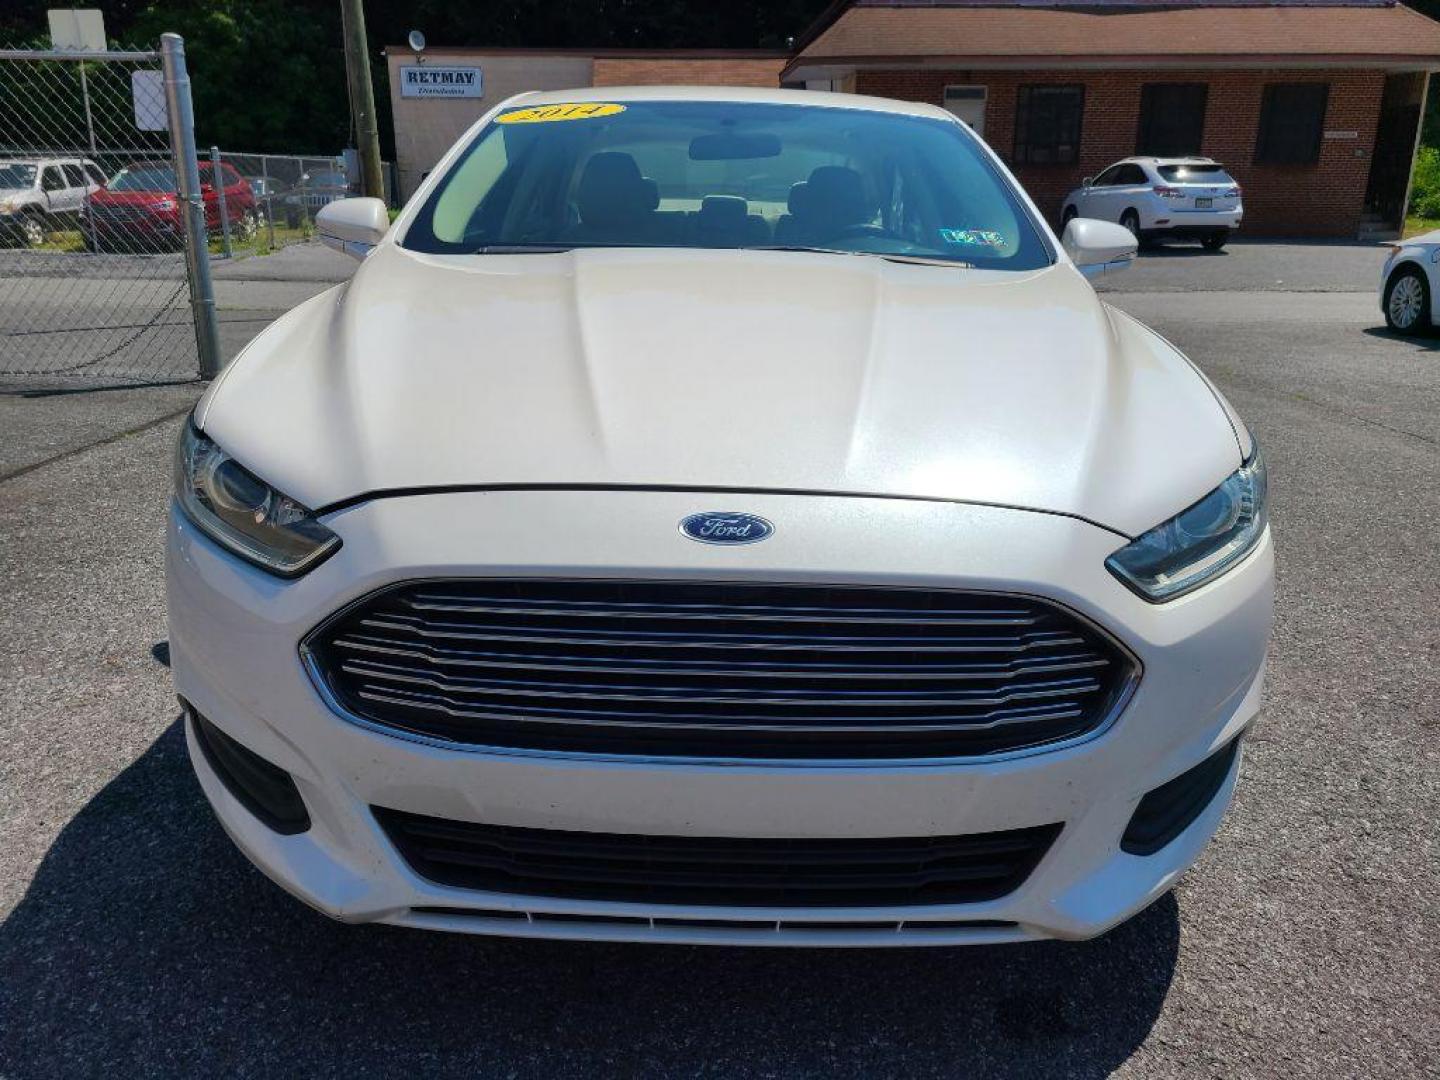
[
  {"x": 40, "y": 195},
  {"x": 719, "y": 515},
  {"x": 1408, "y": 284},
  {"x": 1190, "y": 198}
]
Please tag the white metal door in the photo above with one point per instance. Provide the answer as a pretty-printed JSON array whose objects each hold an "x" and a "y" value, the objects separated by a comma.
[{"x": 968, "y": 103}]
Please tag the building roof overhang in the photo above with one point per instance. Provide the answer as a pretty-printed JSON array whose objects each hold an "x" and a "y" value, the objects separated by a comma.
[{"x": 973, "y": 35}]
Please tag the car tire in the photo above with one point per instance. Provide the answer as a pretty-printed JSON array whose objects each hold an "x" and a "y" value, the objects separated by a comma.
[
  {"x": 1131, "y": 220},
  {"x": 1215, "y": 241},
  {"x": 32, "y": 230},
  {"x": 1068, "y": 215},
  {"x": 247, "y": 227},
  {"x": 1407, "y": 301}
]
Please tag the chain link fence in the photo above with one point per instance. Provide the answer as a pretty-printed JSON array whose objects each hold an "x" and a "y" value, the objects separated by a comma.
[
  {"x": 92, "y": 266},
  {"x": 286, "y": 191}
]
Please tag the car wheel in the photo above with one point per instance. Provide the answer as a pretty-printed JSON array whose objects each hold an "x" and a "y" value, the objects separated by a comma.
[
  {"x": 247, "y": 226},
  {"x": 1407, "y": 301},
  {"x": 32, "y": 230},
  {"x": 1069, "y": 215},
  {"x": 1215, "y": 241},
  {"x": 1131, "y": 220}
]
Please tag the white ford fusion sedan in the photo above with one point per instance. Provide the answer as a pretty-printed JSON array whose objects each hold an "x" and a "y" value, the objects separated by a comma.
[{"x": 719, "y": 516}]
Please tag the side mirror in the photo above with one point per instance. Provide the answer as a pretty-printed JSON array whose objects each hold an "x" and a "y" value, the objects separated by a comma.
[
  {"x": 1098, "y": 247},
  {"x": 1089, "y": 181},
  {"x": 353, "y": 226}
]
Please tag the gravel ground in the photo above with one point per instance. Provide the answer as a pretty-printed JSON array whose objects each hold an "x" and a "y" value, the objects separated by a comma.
[{"x": 136, "y": 941}]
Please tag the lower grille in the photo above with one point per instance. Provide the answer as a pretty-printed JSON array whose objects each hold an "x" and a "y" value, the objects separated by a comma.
[
  {"x": 717, "y": 870},
  {"x": 710, "y": 669}
]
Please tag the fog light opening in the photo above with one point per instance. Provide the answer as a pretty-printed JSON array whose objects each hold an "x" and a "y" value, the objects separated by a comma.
[
  {"x": 266, "y": 790},
  {"x": 1171, "y": 808}
]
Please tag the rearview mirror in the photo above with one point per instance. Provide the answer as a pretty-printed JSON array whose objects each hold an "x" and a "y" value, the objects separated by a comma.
[
  {"x": 1099, "y": 247},
  {"x": 1087, "y": 182},
  {"x": 353, "y": 226}
]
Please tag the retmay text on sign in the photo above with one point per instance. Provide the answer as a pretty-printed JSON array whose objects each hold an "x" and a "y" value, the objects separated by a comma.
[{"x": 440, "y": 82}]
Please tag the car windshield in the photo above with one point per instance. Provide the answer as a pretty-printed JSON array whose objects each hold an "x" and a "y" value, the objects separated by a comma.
[
  {"x": 13, "y": 175},
  {"x": 728, "y": 175},
  {"x": 1195, "y": 174}
]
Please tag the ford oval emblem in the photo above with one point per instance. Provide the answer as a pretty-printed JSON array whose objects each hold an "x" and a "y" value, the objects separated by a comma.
[{"x": 723, "y": 527}]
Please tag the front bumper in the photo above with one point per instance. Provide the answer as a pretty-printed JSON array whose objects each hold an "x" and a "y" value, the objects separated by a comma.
[{"x": 235, "y": 633}]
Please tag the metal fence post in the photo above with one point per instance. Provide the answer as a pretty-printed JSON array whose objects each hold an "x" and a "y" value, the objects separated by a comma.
[
  {"x": 181, "y": 118},
  {"x": 269, "y": 198},
  {"x": 217, "y": 181}
]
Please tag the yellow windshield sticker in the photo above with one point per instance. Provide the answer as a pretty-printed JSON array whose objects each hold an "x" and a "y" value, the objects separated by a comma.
[{"x": 549, "y": 114}]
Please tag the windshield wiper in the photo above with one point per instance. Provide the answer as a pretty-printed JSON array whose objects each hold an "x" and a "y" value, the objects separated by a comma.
[
  {"x": 520, "y": 249},
  {"x": 889, "y": 256}
]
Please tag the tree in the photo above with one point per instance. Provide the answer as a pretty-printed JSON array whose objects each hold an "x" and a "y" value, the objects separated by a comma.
[{"x": 269, "y": 75}]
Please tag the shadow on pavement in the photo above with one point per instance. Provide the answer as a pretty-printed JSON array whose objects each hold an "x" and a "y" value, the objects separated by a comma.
[
  {"x": 1155, "y": 249},
  {"x": 146, "y": 943},
  {"x": 1428, "y": 341}
]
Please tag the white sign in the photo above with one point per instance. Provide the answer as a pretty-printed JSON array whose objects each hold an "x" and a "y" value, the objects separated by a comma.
[
  {"x": 427, "y": 80},
  {"x": 148, "y": 90},
  {"x": 1342, "y": 134},
  {"x": 77, "y": 30}
]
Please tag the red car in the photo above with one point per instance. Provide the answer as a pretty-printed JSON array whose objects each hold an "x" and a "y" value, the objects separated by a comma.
[{"x": 139, "y": 207}]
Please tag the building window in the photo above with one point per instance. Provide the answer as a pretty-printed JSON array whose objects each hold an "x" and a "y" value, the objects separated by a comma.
[
  {"x": 1172, "y": 119},
  {"x": 1047, "y": 124},
  {"x": 1292, "y": 123}
]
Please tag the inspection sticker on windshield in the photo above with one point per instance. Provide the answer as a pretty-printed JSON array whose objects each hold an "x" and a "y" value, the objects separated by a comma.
[
  {"x": 549, "y": 114},
  {"x": 973, "y": 237}
]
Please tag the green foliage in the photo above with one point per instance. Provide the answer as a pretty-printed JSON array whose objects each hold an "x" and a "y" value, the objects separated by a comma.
[
  {"x": 265, "y": 74},
  {"x": 270, "y": 74},
  {"x": 1425, "y": 185}
]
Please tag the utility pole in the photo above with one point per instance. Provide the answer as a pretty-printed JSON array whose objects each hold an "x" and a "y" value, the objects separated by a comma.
[{"x": 362, "y": 97}]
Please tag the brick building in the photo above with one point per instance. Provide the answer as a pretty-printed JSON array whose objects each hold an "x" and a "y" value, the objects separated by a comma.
[{"x": 1314, "y": 105}]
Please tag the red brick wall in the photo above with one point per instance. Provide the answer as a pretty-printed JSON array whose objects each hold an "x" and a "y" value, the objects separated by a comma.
[{"x": 1324, "y": 199}]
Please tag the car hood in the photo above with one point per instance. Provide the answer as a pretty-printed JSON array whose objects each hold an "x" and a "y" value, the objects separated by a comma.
[{"x": 724, "y": 369}]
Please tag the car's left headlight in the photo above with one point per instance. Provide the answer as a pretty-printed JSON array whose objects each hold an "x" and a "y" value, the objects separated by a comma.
[
  {"x": 1199, "y": 543},
  {"x": 239, "y": 511}
]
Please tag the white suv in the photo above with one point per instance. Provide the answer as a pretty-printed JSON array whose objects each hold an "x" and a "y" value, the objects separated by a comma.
[
  {"x": 40, "y": 195},
  {"x": 1189, "y": 197}
]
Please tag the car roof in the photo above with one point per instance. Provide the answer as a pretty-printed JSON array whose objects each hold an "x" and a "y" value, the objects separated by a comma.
[
  {"x": 1144, "y": 160},
  {"x": 735, "y": 94},
  {"x": 45, "y": 161}
]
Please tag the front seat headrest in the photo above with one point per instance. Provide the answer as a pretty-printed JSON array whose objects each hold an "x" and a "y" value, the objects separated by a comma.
[
  {"x": 612, "y": 191},
  {"x": 835, "y": 197}
]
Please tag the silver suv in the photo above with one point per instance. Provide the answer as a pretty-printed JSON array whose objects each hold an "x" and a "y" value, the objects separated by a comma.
[{"x": 41, "y": 195}]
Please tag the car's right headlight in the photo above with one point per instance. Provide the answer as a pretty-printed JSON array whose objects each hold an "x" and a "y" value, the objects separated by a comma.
[
  {"x": 239, "y": 511},
  {"x": 1199, "y": 543}
]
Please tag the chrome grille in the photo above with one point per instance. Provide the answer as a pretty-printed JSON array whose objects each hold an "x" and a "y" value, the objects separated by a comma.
[
  {"x": 108, "y": 213},
  {"x": 711, "y": 669}
]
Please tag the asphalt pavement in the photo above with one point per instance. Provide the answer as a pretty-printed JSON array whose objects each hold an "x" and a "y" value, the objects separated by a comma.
[{"x": 134, "y": 939}]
